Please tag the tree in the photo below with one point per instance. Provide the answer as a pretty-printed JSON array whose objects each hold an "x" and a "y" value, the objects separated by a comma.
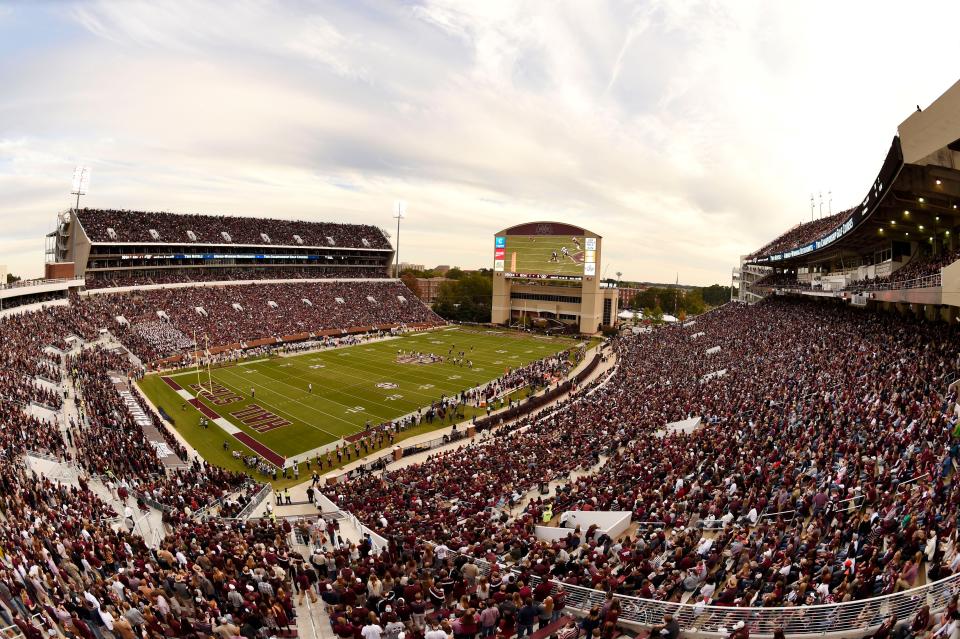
[
  {"x": 693, "y": 302},
  {"x": 11, "y": 278},
  {"x": 467, "y": 299},
  {"x": 716, "y": 295},
  {"x": 454, "y": 274},
  {"x": 653, "y": 313},
  {"x": 410, "y": 280},
  {"x": 654, "y": 297}
]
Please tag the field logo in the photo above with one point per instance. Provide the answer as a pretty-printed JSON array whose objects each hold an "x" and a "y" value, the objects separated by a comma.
[
  {"x": 387, "y": 385},
  {"x": 259, "y": 418},
  {"x": 394, "y": 398},
  {"x": 426, "y": 386},
  {"x": 221, "y": 394}
]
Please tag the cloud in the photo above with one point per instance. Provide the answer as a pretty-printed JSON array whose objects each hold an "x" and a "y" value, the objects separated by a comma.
[{"x": 684, "y": 133}]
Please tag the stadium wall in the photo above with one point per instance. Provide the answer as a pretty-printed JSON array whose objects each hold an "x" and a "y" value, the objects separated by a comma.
[{"x": 926, "y": 134}]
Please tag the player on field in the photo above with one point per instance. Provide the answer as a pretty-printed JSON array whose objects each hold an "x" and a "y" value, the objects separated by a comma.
[
  {"x": 554, "y": 258},
  {"x": 576, "y": 240}
]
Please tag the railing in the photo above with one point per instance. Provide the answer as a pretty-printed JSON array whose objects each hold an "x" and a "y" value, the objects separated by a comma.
[
  {"x": 258, "y": 499},
  {"x": 854, "y": 618},
  {"x": 927, "y": 281},
  {"x": 377, "y": 542},
  {"x": 785, "y": 515},
  {"x": 153, "y": 503},
  {"x": 910, "y": 482},
  {"x": 23, "y": 283},
  {"x": 851, "y": 503},
  {"x": 45, "y": 456},
  {"x": 13, "y": 631}
]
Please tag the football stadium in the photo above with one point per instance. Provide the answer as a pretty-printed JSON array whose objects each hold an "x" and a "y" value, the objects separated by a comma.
[{"x": 259, "y": 425}]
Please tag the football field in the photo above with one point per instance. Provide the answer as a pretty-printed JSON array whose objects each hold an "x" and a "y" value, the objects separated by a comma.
[{"x": 269, "y": 402}]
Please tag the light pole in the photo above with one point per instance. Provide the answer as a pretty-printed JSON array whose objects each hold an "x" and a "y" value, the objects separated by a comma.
[
  {"x": 81, "y": 183},
  {"x": 399, "y": 209}
]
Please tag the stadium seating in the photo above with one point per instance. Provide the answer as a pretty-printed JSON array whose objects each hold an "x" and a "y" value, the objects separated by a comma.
[
  {"x": 779, "y": 280},
  {"x": 913, "y": 272},
  {"x": 821, "y": 474},
  {"x": 803, "y": 234},
  {"x": 135, "y": 226},
  {"x": 829, "y": 428},
  {"x": 185, "y": 276},
  {"x": 69, "y": 568},
  {"x": 334, "y": 305}
]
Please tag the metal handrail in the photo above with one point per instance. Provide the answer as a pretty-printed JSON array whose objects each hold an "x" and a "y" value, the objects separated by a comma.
[
  {"x": 857, "y": 617},
  {"x": 926, "y": 281},
  {"x": 910, "y": 482},
  {"x": 258, "y": 499},
  {"x": 40, "y": 282}
]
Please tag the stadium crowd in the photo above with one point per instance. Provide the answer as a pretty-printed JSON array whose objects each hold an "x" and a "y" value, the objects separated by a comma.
[
  {"x": 108, "y": 439},
  {"x": 821, "y": 473},
  {"x": 919, "y": 267},
  {"x": 837, "y": 420},
  {"x": 779, "y": 280},
  {"x": 803, "y": 234},
  {"x": 69, "y": 567},
  {"x": 244, "y": 312},
  {"x": 110, "y": 279},
  {"x": 135, "y": 226}
]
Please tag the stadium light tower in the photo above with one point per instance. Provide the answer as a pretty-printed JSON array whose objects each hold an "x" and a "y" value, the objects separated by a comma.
[
  {"x": 399, "y": 211},
  {"x": 81, "y": 182}
]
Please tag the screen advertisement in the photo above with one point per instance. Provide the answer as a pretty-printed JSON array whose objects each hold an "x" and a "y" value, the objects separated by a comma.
[{"x": 545, "y": 255}]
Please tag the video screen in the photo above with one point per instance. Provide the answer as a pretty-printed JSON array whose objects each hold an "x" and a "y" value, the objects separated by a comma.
[{"x": 546, "y": 255}]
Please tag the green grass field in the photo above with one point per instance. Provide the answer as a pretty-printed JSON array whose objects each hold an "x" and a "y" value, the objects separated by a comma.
[
  {"x": 544, "y": 254},
  {"x": 352, "y": 386}
]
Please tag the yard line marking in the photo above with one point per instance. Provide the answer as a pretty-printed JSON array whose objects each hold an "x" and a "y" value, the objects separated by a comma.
[{"x": 298, "y": 419}]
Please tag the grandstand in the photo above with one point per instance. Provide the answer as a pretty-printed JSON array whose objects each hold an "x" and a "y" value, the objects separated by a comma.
[
  {"x": 113, "y": 248},
  {"x": 897, "y": 246}
]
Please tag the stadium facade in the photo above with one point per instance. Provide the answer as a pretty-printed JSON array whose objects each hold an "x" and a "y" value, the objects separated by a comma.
[{"x": 897, "y": 248}]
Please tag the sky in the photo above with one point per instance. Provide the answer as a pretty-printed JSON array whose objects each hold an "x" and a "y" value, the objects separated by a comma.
[{"x": 686, "y": 133}]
